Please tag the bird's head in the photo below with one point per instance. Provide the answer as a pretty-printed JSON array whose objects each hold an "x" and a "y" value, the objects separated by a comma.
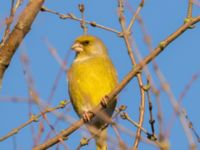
[{"x": 88, "y": 45}]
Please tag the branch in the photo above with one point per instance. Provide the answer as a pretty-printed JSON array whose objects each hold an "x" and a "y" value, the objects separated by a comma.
[
  {"x": 126, "y": 37},
  {"x": 111, "y": 96},
  {"x": 136, "y": 15},
  {"x": 34, "y": 118},
  {"x": 189, "y": 11},
  {"x": 73, "y": 17},
  {"x": 18, "y": 33}
]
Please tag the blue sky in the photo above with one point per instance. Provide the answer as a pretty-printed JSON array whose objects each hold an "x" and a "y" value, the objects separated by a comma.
[{"x": 179, "y": 62}]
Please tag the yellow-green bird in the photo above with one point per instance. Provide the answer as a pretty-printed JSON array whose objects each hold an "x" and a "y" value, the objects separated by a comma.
[{"x": 91, "y": 76}]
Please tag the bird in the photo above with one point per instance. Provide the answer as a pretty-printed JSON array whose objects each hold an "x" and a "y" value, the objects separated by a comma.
[{"x": 91, "y": 77}]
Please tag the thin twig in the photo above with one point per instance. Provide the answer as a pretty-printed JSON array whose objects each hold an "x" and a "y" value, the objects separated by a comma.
[
  {"x": 188, "y": 86},
  {"x": 125, "y": 116},
  {"x": 151, "y": 120},
  {"x": 122, "y": 145},
  {"x": 73, "y": 17},
  {"x": 180, "y": 99},
  {"x": 55, "y": 54},
  {"x": 190, "y": 124},
  {"x": 83, "y": 24},
  {"x": 15, "y": 99},
  {"x": 175, "y": 107},
  {"x": 189, "y": 11},
  {"x": 33, "y": 118},
  {"x": 58, "y": 77},
  {"x": 135, "y": 15},
  {"x": 126, "y": 37}
]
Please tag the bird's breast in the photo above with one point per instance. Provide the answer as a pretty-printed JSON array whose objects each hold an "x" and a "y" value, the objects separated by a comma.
[{"x": 89, "y": 81}]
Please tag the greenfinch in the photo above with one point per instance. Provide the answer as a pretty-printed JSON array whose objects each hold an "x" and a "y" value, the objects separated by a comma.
[{"x": 91, "y": 77}]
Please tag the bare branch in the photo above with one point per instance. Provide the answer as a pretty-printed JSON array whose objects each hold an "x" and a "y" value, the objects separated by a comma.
[
  {"x": 189, "y": 11},
  {"x": 135, "y": 15},
  {"x": 34, "y": 118},
  {"x": 18, "y": 33},
  {"x": 126, "y": 37},
  {"x": 73, "y": 17}
]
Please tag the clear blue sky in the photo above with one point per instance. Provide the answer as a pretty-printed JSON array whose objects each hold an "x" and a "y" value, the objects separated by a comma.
[{"x": 178, "y": 63}]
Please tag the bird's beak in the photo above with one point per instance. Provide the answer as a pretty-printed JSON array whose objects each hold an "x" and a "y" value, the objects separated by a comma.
[{"x": 77, "y": 47}]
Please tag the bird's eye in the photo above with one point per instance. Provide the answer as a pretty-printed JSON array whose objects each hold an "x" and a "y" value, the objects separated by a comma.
[{"x": 85, "y": 42}]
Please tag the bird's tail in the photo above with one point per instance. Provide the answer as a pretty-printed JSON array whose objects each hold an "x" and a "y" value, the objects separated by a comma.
[{"x": 100, "y": 140}]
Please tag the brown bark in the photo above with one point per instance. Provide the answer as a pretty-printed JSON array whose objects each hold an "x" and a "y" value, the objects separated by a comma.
[{"x": 18, "y": 33}]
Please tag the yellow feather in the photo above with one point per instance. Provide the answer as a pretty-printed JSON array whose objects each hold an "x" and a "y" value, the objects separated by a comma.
[{"x": 91, "y": 77}]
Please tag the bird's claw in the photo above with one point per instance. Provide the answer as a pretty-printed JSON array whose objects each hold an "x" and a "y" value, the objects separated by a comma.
[
  {"x": 104, "y": 102},
  {"x": 86, "y": 116}
]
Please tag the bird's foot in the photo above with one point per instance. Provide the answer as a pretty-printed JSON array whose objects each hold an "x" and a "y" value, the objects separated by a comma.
[
  {"x": 104, "y": 101},
  {"x": 86, "y": 116}
]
